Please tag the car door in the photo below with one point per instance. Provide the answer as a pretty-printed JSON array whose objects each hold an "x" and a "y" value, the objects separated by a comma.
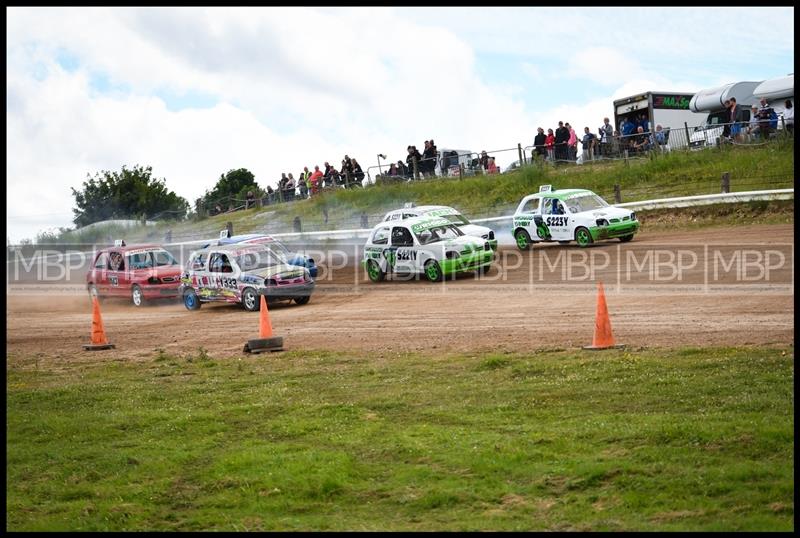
[
  {"x": 99, "y": 274},
  {"x": 527, "y": 218},
  {"x": 219, "y": 271},
  {"x": 405, "y": 254},
  {"x": 117, "y": 276},
  {"x": 555, "y": 216}
]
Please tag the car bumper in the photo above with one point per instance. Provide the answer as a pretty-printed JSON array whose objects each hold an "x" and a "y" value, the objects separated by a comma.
[
  {"x": 468, "y": 262},
  {"x": 614, "y": 230},
  {"x": 288, "y": 292},
  {"x": 160, "y": 291}
]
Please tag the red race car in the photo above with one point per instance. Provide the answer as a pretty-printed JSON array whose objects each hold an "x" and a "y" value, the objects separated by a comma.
[{"x": 141, "y": 272}]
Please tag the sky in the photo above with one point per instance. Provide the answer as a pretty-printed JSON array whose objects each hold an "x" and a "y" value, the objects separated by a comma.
[{"x": 196, "y": 92}]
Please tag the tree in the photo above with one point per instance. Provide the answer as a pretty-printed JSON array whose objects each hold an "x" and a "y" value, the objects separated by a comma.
[
  {"x": 234, "y": 184},
  {"x": 130, "y": 193}
]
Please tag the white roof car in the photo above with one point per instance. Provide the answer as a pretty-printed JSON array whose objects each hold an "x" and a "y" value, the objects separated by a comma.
[
  {"x": 432, "y": 246},
  {"x": 570, "y": 215},
  {"x": 446, "y": 212}
]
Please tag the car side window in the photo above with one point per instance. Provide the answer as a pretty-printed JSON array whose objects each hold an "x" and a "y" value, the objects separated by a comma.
[
  {"x": 199, "y": 262},
  {"x": 401, "y": 237},
  {"x": 381, "y": 236},
  {"x": 531, "y": 206},
  {"x": 551, "y": 206},
  {"x": 141, "y": 260},
  {"x": 408, "y": 215},
  {"x": 396, "y": 216},
  {"x": 101, "y": 262},
  {"x": 219, "y": 263},
  {"x": 116, "y": 261}
]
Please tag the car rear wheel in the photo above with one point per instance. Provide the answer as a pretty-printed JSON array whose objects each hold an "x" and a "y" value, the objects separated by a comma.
[
  {"x": 251, "y": 300},
  {"x": 626, "y": 238},
  {"x": 137, "y": 297},
  {"x": 583, "y": 237},
  {"x": 302, "y": 299},
  {"x": 433, "y": 271},
  {"x": 374, "y": 271},
  {"x": 190, "y": 300},
  {"x": 523, "y": 239}
]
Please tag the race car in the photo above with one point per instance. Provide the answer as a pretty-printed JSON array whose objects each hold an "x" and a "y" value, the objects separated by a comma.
[
  {"x": 292, "y": 258},
  {"x": 241, "y": 273},
  {"x": 433, "y": 246},
  {"x": 448, "y": 213},
  {"x": 570, "y": 214},
  {"x": 141, "y": 272}
]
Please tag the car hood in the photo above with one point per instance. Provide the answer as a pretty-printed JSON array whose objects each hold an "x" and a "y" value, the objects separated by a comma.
[
  {"x": 464, "y": 241},
  {"x": 283, "y": 270},
  {"x": 475, "y": 230},
  {"x": 609, "y": 212}
]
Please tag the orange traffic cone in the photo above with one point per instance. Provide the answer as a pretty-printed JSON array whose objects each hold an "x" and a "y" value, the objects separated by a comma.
[
  {"x": 603, "y": 338},
  {"x": 265, "y": 326},
  {"x": 99, "y": 340},
  {"x": 266, "y": 342}
]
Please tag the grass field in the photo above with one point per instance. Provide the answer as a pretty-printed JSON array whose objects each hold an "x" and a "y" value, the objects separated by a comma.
[
  {"x": 679, "y": 173},
  {"x": 646, "y": 439}
]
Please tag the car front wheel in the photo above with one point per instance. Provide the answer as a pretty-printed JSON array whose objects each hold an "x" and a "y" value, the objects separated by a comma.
[
  {"x": 523, "y": 239},
  {"x": 433, "y": 271},
  {"x": 190, "y": 300},
  {"x": 626, "y": 238},
  {"x": 374, "y": 271},
  {"x": 302, "y": 299}
]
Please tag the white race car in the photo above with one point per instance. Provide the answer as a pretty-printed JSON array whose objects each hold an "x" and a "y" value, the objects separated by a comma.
[
  {"x": 430, "y": 245},
  {"x": 570, "y": 215},
  {"x": 448, "y": 213}
]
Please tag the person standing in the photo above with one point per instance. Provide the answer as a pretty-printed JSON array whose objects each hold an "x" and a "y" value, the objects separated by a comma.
[
  {"x": 549, "y": 145},
  {"x": 764, "y": 116},
  {"x": 288, "y": 194},
  {"x": 539, "y": 149},
  {"x": 562, "y": 138},
  {"x": 572, "y": 143},
  {"x": 736, "y": 119},
  {"x": 606, "y": 131},
  {"x": 788, "y": 117}
]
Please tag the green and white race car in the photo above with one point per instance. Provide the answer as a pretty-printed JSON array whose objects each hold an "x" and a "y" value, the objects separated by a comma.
[
  {"x": 570, "y": 215},
  {"x": 433, "y": 246}
]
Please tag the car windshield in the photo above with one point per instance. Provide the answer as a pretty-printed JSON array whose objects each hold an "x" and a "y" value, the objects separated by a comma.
[
  {"x": 438, "y": 233},
  {"x": 587, "y": 202},
  {"x": 258, "y": 258},
  {"x": 456, "y": 218},
  {"x": 144, "y": 260}
]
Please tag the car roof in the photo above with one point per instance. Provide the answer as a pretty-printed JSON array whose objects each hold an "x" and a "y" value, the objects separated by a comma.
[
  {"x": 409, "y": 222},
  {"x": 128, "y": 248},
  {"x": 561, "y": 194},
  {"x": 420, "y": 209},
  {"x": 246, "y": 237},
  {"x": 235, "y": 247}
]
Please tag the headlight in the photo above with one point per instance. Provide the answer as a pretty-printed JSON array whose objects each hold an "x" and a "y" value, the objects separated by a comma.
[
  {"x": 491, "y": 234},
  {"x": 602, "y": 222},
  {"x": 451, "y": 255}
]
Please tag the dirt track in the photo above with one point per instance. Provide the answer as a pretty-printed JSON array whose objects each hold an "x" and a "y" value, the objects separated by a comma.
[{"x": 520, "y": 309}]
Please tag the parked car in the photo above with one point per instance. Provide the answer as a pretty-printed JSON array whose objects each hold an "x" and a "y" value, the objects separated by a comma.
[
  {"x": 570, "y": 215},
  {"x": 292, "y": 258},
  {"x": 140, "y": 272},
  {"x": 432, "y": 246},
  {"x": 241, "y": 273},
  {"x": 449, "y": 213}
]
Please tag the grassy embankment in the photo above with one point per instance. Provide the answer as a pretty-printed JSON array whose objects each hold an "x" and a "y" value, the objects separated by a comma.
[
  {"x": 676, "y": 174},
  {"x": 684, "y": 439}
]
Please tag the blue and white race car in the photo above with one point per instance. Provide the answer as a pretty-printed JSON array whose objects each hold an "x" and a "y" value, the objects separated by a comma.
[{"x": 292, "y": 258}]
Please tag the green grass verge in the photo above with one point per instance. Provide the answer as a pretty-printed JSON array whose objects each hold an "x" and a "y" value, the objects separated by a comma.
[
  {"x": 683, "y": 439},
  {"x": 675, "y": 174}
]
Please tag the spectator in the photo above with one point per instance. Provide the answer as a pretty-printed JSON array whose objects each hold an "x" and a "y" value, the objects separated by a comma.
[
  {"x": 752, "y": 128},
  {"x": 572, "y": 143},
  {"x": 393, "y": 170},
  {"x": 661, "y": 138},
  {"x": 765, "y": 114},
  {"x": 641, "y": 142},
  {"x": 606, "y": 131},
  {"x": 643, "y": 123},
  {"x": 483, "y": 161},
  {"x": 549, "y": 145},
  {"x": 402, "y": 170},
  {"x": 562, "y": 138},
  {"x": 249, "y": 200},
  {"x": 217, "y": 209},
  {"x": 315, "y": 180},
  {"x": 726, "y": 125},
  {"x": 736, "y": 119},
  {"x": 435, "y": 153},
  {"x": 539, "y": 140},
  {"x": 428, "y": 160},
  {"x": 347, "y": 168},
  {"x": 270, "y": 195},
  {"x": 491, "y": 166},
  {"x": 788, "y": 117},
  {"x": 628, "y": 129},
  {"x": 288, "y": 193},
  {"x": 413, "y": 155},
  {"x": 588, "y": 142},
  {"x": 357, "y": 173}
]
